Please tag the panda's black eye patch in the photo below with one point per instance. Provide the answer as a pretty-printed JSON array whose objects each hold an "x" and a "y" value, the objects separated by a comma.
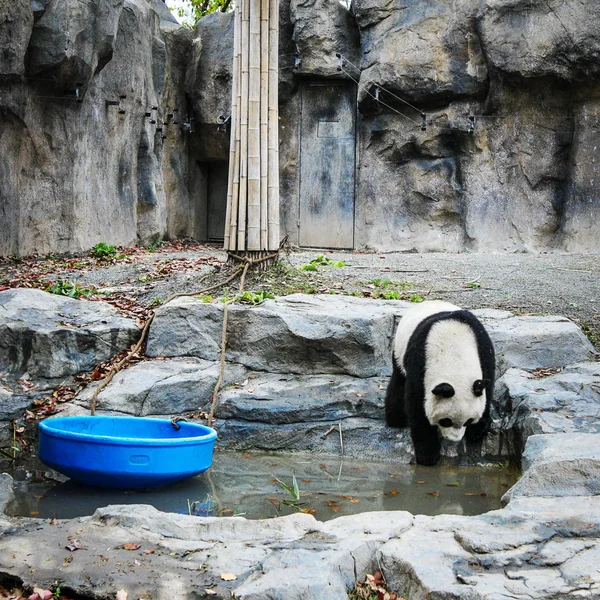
[
  {"x": 479, "y": 386},
  {"x": 445, "y": 422},
  {"x": 468, "y": 422}
]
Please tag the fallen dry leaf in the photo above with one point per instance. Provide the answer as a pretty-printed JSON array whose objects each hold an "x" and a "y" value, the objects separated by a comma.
[
  {"x": 75, "y": 545},
  {"x": 210, "y": 592},
  {"x": 436, "y": 494},
  {"x": 228, "y": 576},
  {"x": 131, "y": 546},
  {"x": 393, "y": 492},
  {"x": 149, "y": 551},
  {"x": 308, "y": 511}
]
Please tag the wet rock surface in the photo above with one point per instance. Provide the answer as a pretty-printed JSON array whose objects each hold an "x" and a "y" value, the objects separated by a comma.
[{"x": 537, "y": 547}]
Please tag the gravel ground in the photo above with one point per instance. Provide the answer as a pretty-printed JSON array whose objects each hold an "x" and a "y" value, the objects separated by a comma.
[{"x": 548, "y": 283}]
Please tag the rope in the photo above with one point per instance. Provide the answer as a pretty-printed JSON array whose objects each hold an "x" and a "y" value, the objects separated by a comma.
[{"x": 243, "y": 270}]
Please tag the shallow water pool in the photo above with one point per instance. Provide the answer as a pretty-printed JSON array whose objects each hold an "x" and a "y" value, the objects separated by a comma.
[{"x": 246, "y": 485}]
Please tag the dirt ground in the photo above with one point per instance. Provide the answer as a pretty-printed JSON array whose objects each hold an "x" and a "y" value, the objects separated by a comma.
[{"x": 546, "y": 283}]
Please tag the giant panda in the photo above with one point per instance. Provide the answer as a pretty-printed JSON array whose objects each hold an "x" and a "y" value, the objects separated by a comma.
[{"x": 443, "y": 377}]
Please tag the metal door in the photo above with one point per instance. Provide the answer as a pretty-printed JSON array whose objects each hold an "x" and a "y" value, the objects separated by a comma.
[
  {"x": 327, "y": 164},
  {"x": 217, "y": 200}
]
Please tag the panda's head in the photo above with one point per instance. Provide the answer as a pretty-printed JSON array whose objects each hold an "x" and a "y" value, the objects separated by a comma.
[{"x": 453, "y": 410}]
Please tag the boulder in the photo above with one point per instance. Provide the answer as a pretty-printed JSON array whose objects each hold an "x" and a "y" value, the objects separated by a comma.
[
  {"x": 295, "y": 334},
  {"x": 323, "y": 29},
  {"x": 46, "y": 336},
  {"x": 306, "y": 334},
  {"x": 285, "y": 399},
  {"x": 72, "y": 41},
  {"x": 566, "y": 402},
  {"x": 559, "y": 465},
  {"x": 162, "y": 387},
  {"x": 532, "y": 342},
  {"x": 539, "y": 38},
  {"x": 423, "y": 51},
  {"x": 16, "y": 23}
]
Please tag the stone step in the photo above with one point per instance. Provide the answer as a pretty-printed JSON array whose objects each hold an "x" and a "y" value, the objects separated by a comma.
[
  {"x": 318, "y": 334},
  {"x": 327, "y": 414},
  {"x": 48, "y": 336}
]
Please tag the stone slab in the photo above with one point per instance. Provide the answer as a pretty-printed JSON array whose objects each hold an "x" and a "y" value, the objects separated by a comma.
[
  {"x": 536, "y": 548},
  {"x": 559, "y": 465},
  {"x": 44, "y": 335},
  {"x": 162, "y": 387},
  {"x": 312, "y": 334}
]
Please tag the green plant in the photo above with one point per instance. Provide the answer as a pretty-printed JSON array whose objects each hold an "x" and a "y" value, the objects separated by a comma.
[
  {"x": 416, "y": 298},
  {"x": 321, "y": 261},
  {"x": 156, "y": 301},
  {"x": 64, "y": 287},
  {"x": 253, "y": 297},
  {"x": 472, "y": 284},
  {"x": 383, "y": 283},
  {"x": 392, "y": 295},
  {"x": 103, "y": 251},
  {"x": 592, "y": 334},
  {"x": 293, "y": 491}
]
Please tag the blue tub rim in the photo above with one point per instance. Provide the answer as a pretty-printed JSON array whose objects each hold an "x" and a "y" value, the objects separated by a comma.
[{"x": 46, "y": 426}]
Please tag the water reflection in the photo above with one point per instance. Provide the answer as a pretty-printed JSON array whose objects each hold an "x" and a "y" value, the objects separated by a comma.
[{"x": 247, "y": 485}]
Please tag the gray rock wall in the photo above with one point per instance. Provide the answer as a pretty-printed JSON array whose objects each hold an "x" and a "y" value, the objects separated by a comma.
[
  {"x": 77, "y": 173},
  {"x": 523, "y": 178}
]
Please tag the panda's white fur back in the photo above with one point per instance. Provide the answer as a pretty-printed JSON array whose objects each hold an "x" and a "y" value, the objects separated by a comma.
[
  {"x": 452, "y": 356},
  {"x": 410, "y": 321}
]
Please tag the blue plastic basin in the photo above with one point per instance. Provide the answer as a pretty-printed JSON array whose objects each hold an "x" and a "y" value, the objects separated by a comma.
[{"x": 125, "y": 452}]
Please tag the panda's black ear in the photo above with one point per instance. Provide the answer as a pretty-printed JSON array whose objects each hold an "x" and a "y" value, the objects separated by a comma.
[
  {"x": 479, "y": 385},
  {"x": 444, "y": 390}
]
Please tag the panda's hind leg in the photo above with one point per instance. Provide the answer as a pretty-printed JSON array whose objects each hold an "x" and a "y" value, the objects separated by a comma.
[{"x": 395, "y": 414}]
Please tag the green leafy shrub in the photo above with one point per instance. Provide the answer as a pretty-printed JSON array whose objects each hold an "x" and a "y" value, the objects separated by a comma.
[
  {"x": 65, "y": 287},
  {"x": 322, "y": 261},
  {"x": 104, "y": 251}
]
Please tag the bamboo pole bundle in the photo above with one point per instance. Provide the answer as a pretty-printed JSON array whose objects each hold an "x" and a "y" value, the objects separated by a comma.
[
  {"x": 273, "y": 128},
  {"x": 252, "y": 212},
  {"x": 238, "y": 133},
  {"x": 241, "y": 244},
  {"x": 233, "y": 149},
  {"x": 264, "y": 122},
  {"x": 253, "y": 229}
]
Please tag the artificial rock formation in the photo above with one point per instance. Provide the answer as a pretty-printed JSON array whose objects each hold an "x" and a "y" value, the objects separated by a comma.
[{"x": 522, "y": 175}]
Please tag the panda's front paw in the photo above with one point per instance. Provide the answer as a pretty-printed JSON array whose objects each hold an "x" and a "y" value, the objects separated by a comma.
[
  {"x": 475, "y": 433},
  {"x": 427, "y": 460}
]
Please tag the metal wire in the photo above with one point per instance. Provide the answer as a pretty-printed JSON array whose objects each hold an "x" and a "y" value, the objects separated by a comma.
[
  {"x": 377, "y": 100},
  {"x": 381, "y": 87}
]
